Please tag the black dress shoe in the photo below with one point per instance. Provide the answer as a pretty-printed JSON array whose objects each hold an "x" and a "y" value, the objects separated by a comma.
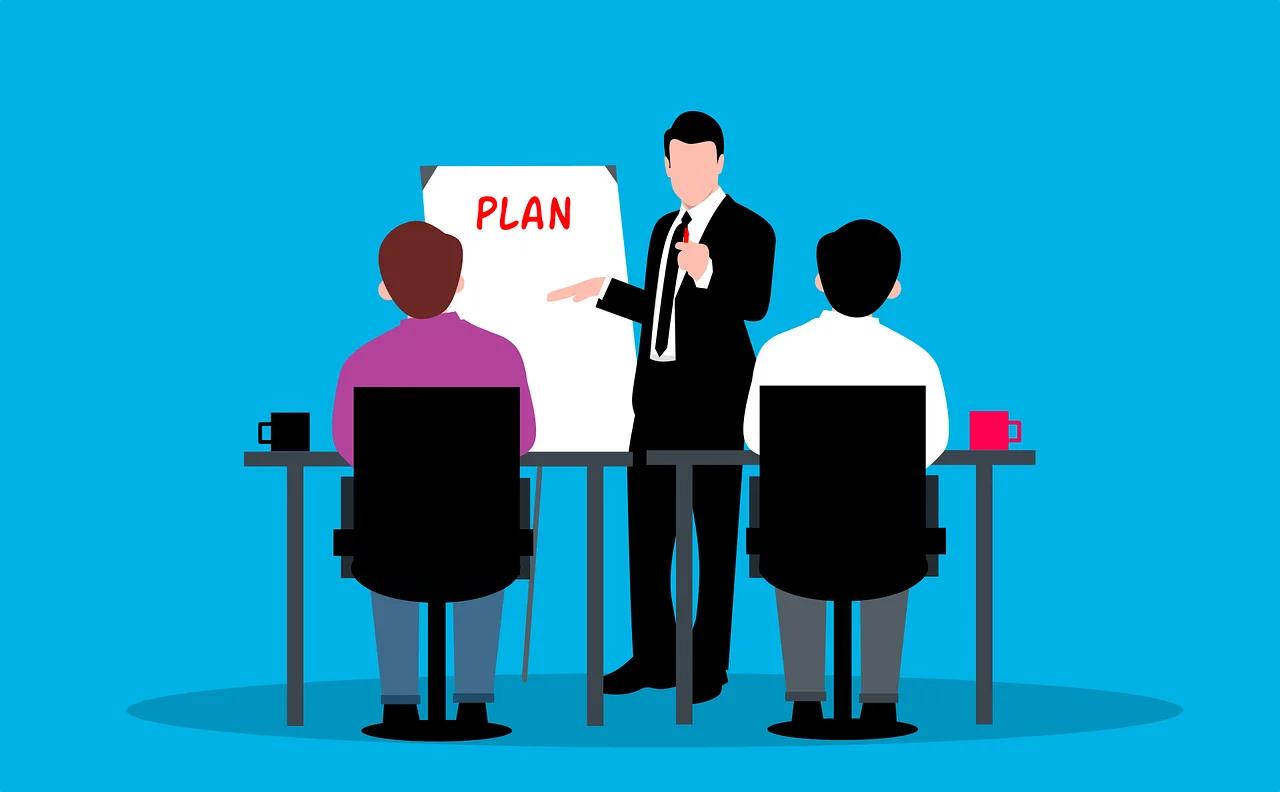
[
  {"x": 704, "y": 691},
  {"x": 806, "y": 711},
  {"x": 634, "y": 676},
  {"x": 473, "y": 712},
  {"x": 399, "y": 714}
]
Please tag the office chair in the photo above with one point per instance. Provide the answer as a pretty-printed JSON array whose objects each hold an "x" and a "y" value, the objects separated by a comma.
[
  {"x": 431, "y": 514},
  {"x": 836, "y": 513},
  {"x": 348, "y": 511}
]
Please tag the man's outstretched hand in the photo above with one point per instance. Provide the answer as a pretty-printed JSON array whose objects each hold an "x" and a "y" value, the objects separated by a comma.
[{"x": 578, "y": 291}]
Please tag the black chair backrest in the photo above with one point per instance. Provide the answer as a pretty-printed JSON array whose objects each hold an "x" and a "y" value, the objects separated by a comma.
[
  {"x": 842, "y": 493},
  {"x": 437, "y": 501}
]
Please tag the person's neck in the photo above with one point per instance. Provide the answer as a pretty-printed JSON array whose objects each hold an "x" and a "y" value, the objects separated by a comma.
[
  {"x": 443, "y": 314},
  {"x": 848, "y": 318},
  {"x": 703, "y": 199}
]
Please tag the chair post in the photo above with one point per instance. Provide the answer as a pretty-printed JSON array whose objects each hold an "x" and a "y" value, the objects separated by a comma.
[
  {"x": 436, "y": 661},
  {"x": 842, "y": 634}
]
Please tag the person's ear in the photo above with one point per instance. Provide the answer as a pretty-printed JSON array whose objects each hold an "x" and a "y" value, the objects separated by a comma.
[
  {"x": 382, "y": 290},
  {"x": 817, "y": 281},
  {"x": 667, "y": 162},
  {"x": 462, "y": 282},
  {"x": 720, "y": 165},
  {"x": 897, "y": 289}
]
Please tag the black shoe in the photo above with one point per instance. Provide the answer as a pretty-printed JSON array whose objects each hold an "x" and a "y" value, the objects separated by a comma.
[
  {"x": 473, "y": 712},
  {"x": 633, "y": 676},
  {"x": 806, "y": 711},
  {"x": 878, "y": 713},
  {"x": 401, "y": 722},
  {"x": 399, "y": 714},
  {"x": 704, "y": 691},
  {"x": 879, "y": 721}
]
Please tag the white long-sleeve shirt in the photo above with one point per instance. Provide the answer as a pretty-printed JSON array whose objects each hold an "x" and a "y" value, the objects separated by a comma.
[{"x": 842, "y": 350}]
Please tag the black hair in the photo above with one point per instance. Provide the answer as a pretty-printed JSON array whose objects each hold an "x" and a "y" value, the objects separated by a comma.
[
  {"x": 694, "y": 127},
  {"x": 858, "y": 264}
]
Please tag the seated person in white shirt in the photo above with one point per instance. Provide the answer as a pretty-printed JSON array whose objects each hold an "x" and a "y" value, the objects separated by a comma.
[{"x": 858, "y": 268}]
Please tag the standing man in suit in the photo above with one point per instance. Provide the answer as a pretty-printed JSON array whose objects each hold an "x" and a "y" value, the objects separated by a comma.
[{"x": 709, "y": 270}]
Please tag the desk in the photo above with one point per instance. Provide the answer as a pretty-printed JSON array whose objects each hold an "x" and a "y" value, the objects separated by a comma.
[
  {"x": 296, "y": 462},
  {"x": 684, "y": 461}
]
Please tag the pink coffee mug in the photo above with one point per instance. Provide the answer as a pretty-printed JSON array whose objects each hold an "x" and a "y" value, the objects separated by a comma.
[{"x": 989, "y": 430}]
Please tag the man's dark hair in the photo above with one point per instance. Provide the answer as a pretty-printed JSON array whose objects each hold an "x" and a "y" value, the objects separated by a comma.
[
  {"x": 858, "y": 264},
  {"x": 694, "y": 127},
  {"x": 420, "y": 266}
]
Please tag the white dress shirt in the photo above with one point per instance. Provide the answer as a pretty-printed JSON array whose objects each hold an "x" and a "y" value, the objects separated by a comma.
[
  {"x": 835, "y": 349},
  {"x": 699, "y": 216}
]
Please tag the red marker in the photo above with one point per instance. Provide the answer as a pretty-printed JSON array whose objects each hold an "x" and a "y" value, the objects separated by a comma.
[{"x": 686, "y": 234}]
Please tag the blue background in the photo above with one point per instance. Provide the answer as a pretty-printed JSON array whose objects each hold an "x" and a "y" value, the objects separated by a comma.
[{"x": 191, "y": 200}]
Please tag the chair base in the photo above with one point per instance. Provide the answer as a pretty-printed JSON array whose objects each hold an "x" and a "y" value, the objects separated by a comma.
[
  {"x": 841, "y": 729},
  {"x": 436, "y": 731}
]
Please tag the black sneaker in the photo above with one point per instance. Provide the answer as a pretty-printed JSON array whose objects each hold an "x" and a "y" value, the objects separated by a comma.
[{"x": 473, "y": 712}]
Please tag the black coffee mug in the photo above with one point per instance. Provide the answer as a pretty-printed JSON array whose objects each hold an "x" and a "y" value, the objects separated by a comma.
[{"x": 290, "y": 431}]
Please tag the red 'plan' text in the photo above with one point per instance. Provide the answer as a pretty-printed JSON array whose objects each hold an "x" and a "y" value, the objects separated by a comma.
[{"x": 532, "y": 213}]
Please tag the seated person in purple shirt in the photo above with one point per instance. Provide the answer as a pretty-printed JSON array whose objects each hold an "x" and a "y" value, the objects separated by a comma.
[{"x": 421, "y": 271}]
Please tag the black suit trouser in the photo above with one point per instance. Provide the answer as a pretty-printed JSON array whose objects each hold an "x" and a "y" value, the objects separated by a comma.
[{"x": 651, "y": 510}]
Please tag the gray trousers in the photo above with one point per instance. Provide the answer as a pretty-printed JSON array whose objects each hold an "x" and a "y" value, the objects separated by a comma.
[
  {"x": 475, "y": 648},
  {"x": 803, "y": 625}
]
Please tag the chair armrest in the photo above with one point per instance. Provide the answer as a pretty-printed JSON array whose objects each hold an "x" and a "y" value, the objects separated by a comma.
[
  {"x": 524, "y": 546},
  {"x": 935, "y": 541},
  {"x": 526, "y": 531},
  {"x": 344, "y": 543},
  {"x": 754, "y": 537},
  {"x": 935, "y": 538}
]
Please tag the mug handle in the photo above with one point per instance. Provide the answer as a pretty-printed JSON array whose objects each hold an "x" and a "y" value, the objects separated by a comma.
[
  {"x": 261, "y": 440},
  {"x": 1018, "y": 424}
]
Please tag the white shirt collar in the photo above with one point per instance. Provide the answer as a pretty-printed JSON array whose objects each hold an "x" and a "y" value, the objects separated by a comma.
[
  {"x": 850, "y": 321},
  {"x": 701, "y": 214}
]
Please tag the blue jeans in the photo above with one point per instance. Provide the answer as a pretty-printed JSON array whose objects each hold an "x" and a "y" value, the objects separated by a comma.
[{"x": 475, "y": 648}]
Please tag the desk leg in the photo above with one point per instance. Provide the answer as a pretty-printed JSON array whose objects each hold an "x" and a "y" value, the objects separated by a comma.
[
  {"x": 684, "y": 595},
  {"x": 984, "y": 616},
  {"x": 595, "y": 596},
  {"x": 293, "y": 511}
]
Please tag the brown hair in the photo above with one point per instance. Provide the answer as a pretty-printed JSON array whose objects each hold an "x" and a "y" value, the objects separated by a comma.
[{"x": 420, "y": 266}]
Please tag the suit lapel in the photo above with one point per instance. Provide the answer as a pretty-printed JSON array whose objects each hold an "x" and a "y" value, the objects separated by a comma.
[{"x": 717, "y": 223}]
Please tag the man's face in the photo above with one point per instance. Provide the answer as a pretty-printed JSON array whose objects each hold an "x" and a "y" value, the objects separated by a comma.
[{"x": 694, "y": 170}]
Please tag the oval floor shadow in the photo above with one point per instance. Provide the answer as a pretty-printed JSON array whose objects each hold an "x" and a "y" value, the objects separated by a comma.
[{"x": 551, "y": 710}]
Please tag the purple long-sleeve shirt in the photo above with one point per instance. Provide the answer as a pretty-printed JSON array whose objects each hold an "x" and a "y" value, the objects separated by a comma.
[{"x": 443, "y": 351}]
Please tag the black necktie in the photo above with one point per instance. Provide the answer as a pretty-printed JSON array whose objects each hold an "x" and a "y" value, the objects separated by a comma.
[{"x": 668, "y": 293}]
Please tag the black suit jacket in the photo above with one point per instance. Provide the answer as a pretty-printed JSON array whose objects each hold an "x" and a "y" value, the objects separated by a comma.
[{"x": 714, "y": 357}]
